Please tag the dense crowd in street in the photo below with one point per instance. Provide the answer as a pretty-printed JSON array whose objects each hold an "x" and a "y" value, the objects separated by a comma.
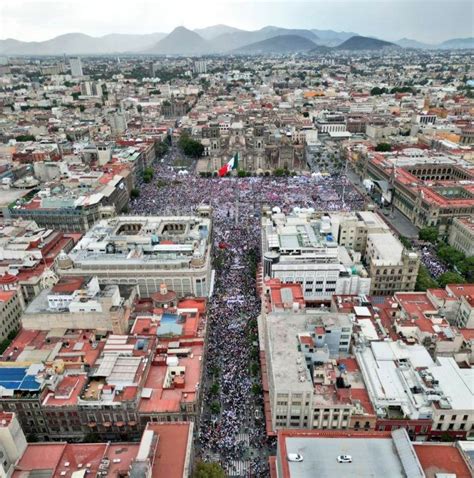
[
  {"x": 431, "y": 262},
  {"x": 231, "y": 434}
]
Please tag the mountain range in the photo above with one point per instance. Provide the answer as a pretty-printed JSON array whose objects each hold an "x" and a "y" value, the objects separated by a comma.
[
  {"x": 453, "y": 44},
  {"x": 213, "y": 40}
]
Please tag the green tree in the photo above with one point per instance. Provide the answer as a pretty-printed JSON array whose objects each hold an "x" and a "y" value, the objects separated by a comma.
[
  {"x": 134, "y": 193},
  {"x": 383, "y": 147},
  {"x": 378, "y": 91},
  {"x": 279, "y": 172},
  {"x": 424, "y": 280},
  {"x": 254, "y": 369},
  {"x": 208, "y": 470},
  {"x": 406, "y": 242},
  {"x": 450, "y": 278},
  {"x": 241, "y": 173},
  {"x": 214, "y": 390},
  {"x": 190, "y": 147},
  {"x": 256, "y": 389},
  {"x": 429, "y": 234},
  {"x": 449, "y": 254},
  {"x": 215, "y": 408},
  {"x": 466, "y": 267},
  {"x": 25, "y": 137}
]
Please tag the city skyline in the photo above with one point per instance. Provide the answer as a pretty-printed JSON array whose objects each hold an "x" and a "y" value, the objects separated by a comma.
[{"x": 422, "y": 20}]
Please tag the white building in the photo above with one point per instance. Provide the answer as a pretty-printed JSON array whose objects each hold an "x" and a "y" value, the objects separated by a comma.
[
  {"x": 147, "y": 251},
  {"x": 301, "y": 248},
  {"x": 403, "y": 380},
  {"x": 76, "y": 67}
]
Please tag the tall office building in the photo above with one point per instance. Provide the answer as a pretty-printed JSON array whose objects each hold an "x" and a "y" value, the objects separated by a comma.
[
  {"x": 200, "y": 66},
  {"x": 76, "y": 66}
]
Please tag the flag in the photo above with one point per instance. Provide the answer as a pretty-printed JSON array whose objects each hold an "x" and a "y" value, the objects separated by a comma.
[{"x": 230, "y": 165}]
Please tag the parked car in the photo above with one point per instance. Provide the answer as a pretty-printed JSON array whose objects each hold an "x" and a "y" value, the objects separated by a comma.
[
  {"x": 344, "y": 459},
  {"x": 295, "y": 457}
]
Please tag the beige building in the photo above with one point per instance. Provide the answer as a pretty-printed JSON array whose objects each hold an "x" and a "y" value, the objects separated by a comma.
[
  {"x": 10, "y": 312},
  {"x": 461, "y": 235},
  {"x": 391, "y": 267},
  {"x": 304, "y": 353}
]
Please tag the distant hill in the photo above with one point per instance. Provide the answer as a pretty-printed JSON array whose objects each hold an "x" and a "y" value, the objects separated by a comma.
[
  {"x": 457, "y": 43},
  {"x": 235, "y": 40},
  {"x": 409, "y": 43},
  {"x": 214, "y": 31},
  {"x": 180, "y": 41},
  {"x": 331, "y": 37},
  {"x": 277, "y": 45},
  {"x": 212, "y": 39},
  {"x": 365, "y": 43},
  {"x": 78, "y": 43}
]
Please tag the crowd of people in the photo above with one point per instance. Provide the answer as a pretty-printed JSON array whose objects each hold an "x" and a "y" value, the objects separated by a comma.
[
  {"x": 234, "y": 432},
  {"x": 431, "y": 262}
]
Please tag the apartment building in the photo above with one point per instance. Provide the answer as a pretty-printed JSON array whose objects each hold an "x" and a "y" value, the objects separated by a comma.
[
  {"x": 147, "y": 252},
  {"x": 10, "y": 312}
]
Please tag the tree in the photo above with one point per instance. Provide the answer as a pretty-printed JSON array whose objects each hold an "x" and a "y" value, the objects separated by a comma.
[
  {"x": 466, "y": 267},
  {"x": 190, "y": 147},
  {"x": 208, "y": 470},
  {"x": 378, "y": 91},
  {"x": 256, "y": 389},
  {"x": 406, "y": 242},
  {"x": 25, "y": 137},
  {"x": 82, "y": 108},
  {"x": 241, "y": 173},
  {"x": 449, "y": 254},
  {"x": 215, "y": 408},
  {"x": 450, "y": 278},
  {"x": 383, "y": 147},
  {"x": 214, "y": 390},
  {"x": 429, "y": 234},
  {"x": 424, "y": 281},
  {"x": 134, "y": 193}
]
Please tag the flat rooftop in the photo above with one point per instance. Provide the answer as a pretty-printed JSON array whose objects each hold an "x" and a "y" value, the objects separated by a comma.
[
  {"x": 375, "y": 457},
  {"x": 388, "y": 248}
]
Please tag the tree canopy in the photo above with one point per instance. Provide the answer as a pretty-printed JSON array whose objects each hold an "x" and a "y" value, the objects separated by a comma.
[
  {"x": 429, "y": 234},
  {"x": 190, "y": 147},
  {"x": 383, "y": 147},
  {"x": 208, "y": 470}
]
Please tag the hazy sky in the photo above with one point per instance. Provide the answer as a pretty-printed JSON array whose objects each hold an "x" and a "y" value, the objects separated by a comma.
[{"x": 424, "y": 20}]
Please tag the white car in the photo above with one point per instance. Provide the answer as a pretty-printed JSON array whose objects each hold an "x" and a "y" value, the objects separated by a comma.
[
  {"x": 295, "y": 457},
  {"x": 344, "y": 459}
]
